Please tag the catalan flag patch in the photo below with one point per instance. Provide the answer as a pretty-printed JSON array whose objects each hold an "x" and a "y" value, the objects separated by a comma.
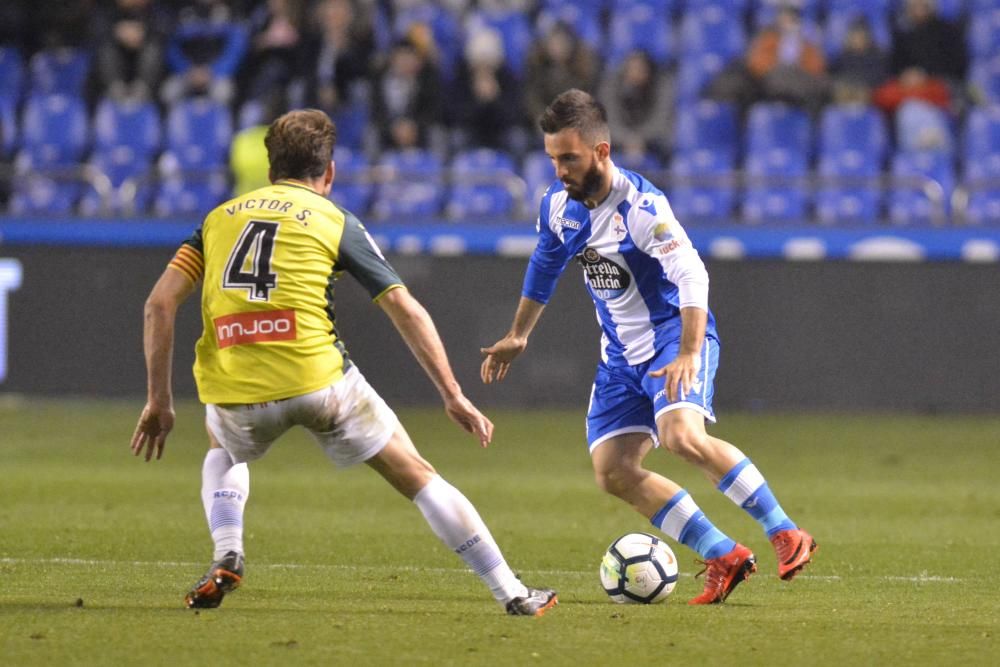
[{"x": 189, "y": 262}]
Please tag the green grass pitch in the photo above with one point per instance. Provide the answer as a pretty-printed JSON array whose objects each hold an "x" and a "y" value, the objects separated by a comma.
[{"x": 97, "y": 549}]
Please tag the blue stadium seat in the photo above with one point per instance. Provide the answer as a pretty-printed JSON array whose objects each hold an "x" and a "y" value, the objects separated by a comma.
[
  {"x": 984, "y": 34},
  {"x": 37, "y": 194},
  {"x": 735, "y": 9},
  {"x": 776, "y": 186},
  {"x": 352, "y": 124},
  {"x": 132, "y": 124},
  {"x": 853, "y": 128},
  {"x": 982, "y": 182},
  {"x": 585, "y": 23},
  {"x": 921, "y": 187},
  {"x": 127, "y": 137},
  {"x": 848, "y": 190},
  {"x": 765, "y": 11},
  {"x": 671, "y": 7},
  {"x": 194, "y": 175},
  {"x": 694, "y": 73},
  {"x": 775, "y": 126},
  {"x": 838, "y": 23},
  {"x": 479, "y": 184},
  {"x": 198, "y": 133},
  {"x": 646, "y": 164},
  {"x": 708, "y": 125},
  {"x": 8, "y": 127},
  {"x": 641, "y": 25},
  {"x": 985, "y": 78},
  {"x": 131, "y": 177},
  {"x": 54, "y": 131},
  {"x": 713, "y": 30},
  {"x": 595, "y": 7},
  {"x": 190, "y": 196},
  {"x": 977, "y": 7},
  {"x": 61, "y": 70},
  {"x": 952, "y": 10},
  {"x": 701, "y": 186},
  {"x": 353, "y": 186},
  {"x": 416, "y": 190},
  {"x": 981, "y": 137},
  {"x": 11, "y": 73},
  {"x": 539, "y": 174},
  {"x": 515, "y": 31}
]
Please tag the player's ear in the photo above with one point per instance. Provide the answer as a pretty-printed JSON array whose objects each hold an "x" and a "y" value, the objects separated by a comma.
[
  {"x": 603, "y": 150},
  {"x": 328, "y": 176}
]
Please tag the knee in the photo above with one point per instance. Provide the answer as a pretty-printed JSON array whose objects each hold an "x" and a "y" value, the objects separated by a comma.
[
  {"x": 688, "y": 443},
  {"x": 618, "y": 480}
]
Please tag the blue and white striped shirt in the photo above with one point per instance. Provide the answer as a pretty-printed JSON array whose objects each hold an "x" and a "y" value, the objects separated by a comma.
[{"x": 638, "y": 265}]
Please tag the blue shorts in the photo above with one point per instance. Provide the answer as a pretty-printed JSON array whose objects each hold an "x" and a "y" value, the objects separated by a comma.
[{"x": 627, "y": 400}]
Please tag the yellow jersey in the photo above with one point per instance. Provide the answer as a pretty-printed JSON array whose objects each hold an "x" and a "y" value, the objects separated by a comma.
[{"x": 269, "y": 260}]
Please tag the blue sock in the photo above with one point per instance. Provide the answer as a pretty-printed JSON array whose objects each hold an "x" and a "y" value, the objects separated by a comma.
[
  {"x": 682, "y": 520},
  {"x": 745, "y": 486}
]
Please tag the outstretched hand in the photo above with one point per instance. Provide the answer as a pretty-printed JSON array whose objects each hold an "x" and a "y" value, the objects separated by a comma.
[
  {"x": 498, "y": 357},
  {"x": 681, "y": 371},
  {"x": 461, "y": 411},
  {"x": 151, "y": 432}
]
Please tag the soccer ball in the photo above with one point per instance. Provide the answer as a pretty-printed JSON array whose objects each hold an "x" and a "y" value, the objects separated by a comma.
[{"x": 638, "y": 569}]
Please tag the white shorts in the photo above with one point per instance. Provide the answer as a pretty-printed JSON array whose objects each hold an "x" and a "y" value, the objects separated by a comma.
[{"x": 348, "y": 419}]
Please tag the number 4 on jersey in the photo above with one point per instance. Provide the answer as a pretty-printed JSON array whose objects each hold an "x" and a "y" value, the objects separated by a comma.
[{"x": 249, "y": 265}]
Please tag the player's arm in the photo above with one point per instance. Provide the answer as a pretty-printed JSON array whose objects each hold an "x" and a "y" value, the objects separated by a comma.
[
  {"x": 359, "y": 255},
  {"x": 547, "y": 263},
  {"x": 498, "y": 357},
  {"x": 669, "y": 243},
  {"x": 417, "y": 328},
  {"x": 171, "y": 290}
]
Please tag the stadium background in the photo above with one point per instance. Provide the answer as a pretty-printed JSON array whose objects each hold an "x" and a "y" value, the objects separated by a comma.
[{"x": 852, "y": 268}]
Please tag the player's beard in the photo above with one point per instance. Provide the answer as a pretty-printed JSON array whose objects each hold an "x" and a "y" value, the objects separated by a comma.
[{"x": 590, "y": 185}]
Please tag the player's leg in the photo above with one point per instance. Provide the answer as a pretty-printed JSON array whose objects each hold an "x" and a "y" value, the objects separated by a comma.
[
  {"x": 455, "y": 521},
  {"x": 236, "y": 432},
  {"x": 681, "y": 428},
  {"x": 363, "y": 428},
  {"x": 618, "y": 470}
]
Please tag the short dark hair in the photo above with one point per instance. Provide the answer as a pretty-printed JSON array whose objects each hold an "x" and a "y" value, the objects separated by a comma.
[
  {"x": 577, "y": 110},
  {"x": 300, "y": 144}
]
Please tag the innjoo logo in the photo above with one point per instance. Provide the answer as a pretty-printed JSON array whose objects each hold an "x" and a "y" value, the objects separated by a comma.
[{"x": 261, "y": 326}]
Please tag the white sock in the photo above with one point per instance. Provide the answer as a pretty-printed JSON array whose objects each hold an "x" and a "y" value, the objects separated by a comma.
[
  {"x": 457, "y": 523},
  {"x": 225, "y": 487}
]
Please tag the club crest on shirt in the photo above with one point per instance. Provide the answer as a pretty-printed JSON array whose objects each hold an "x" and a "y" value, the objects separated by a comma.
[{"x": 606, "y": 278}]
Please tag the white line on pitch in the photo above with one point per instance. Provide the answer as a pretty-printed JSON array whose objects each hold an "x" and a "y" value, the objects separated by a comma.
[{"x": 922, "y": 578}]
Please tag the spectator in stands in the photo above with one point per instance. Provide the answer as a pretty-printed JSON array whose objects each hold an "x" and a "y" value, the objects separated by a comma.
[
  {"x": 557, "y": 62},
  {"x": 407, "y": 100},
  {"x": 486, "y": 106},
  {"x": 788, "y": 62},
  {"x": 14, "y": 24},
  {"x": 63, "y": 23},
  {"x": 861, "y": 66},
  {"x": 337, "y": 56},
  {"x": 925, "y": 41},
  {"x": 204, "y": 52},
  {"x": 639, "y": 100},
  {"x": 276, "y": 35},
  {"x": 130, "y": 37},
  {"x": 784, "y": 63},
  {"x": 913, "y": 84}
]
